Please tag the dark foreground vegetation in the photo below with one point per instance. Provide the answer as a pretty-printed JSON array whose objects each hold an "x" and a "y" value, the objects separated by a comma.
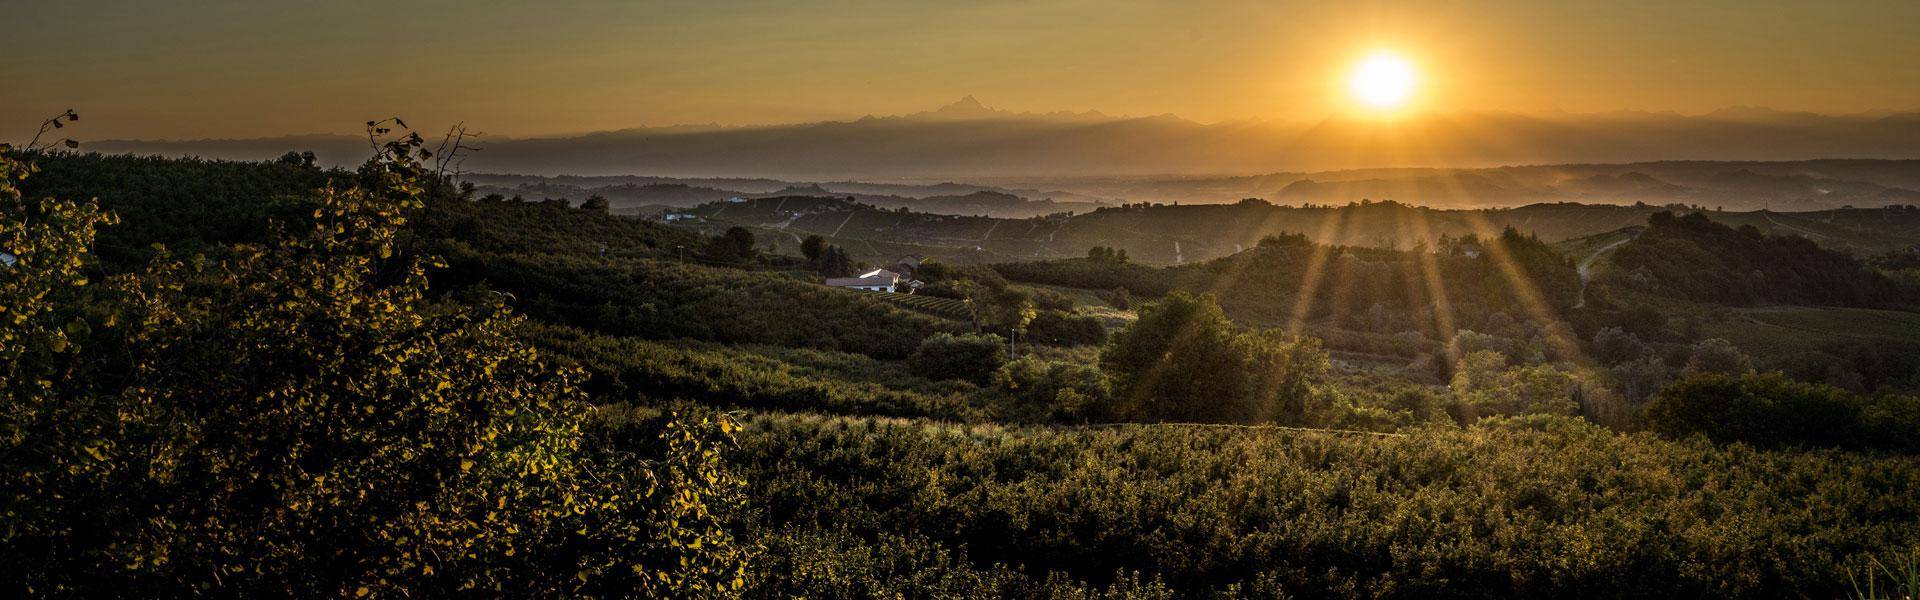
[{"x": 269, "y": 379}]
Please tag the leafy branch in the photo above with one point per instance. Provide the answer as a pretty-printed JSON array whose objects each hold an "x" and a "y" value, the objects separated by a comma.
[{"x": 58, "y": 121}]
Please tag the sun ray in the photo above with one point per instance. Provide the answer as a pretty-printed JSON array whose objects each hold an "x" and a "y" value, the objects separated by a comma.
[
  {"x": 1316, "y": 269},
  {"x": 1556, "y": 331},
  {"x": 1429, "y": 263}
]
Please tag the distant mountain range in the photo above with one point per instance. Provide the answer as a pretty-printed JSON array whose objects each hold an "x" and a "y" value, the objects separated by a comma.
[{"x": 968, "y": 140}]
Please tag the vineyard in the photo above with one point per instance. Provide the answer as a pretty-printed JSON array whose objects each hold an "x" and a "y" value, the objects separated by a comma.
[{"x": 933, "y": 305}]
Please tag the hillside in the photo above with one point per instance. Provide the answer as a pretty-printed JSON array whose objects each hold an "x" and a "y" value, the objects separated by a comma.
[
  {"x": 1424, "y": 421},
  {"x": 1694, "y": 258},
  {"x": 1790, "y": 186},
  {"x": 1172, "y": 234}
]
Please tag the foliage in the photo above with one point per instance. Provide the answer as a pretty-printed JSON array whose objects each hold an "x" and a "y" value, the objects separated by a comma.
[
  {"x": 1715, "y": 355},
  {"x": 658, "y": 299},
  {"x": 648, "y": 372},
  {"x": 1486, "y": 386},
  {"x": 1769, "y": 410},
  {"x": 1103, "y": 254},
  {"x": 967, "y": 357},
  {"x": 1065, "y": 329},
  {"x": 1695, "y": 258},
  {"x": 1557, "y": 510},
  {"x": 191, "y": 205},
  {"x": 734, "y": 247},
  {"x": 1064, "y": 391},
  {"x": 1356, "y": 299},
  {"x": 1183, "y": 361},
  {"x": 595, "y": 203},
  {"x": 1897, "y": 578},
  {"x": 299, "y": 419}
]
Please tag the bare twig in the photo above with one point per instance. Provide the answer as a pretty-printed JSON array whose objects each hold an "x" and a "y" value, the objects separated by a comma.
[{"x": 52, "y": 123}]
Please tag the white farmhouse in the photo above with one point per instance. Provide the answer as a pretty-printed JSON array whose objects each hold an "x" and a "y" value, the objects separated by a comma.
[{"x": 877, "y": 280}]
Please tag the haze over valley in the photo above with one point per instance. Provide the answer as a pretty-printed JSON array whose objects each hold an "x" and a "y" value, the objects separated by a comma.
[{"x": 1216, "y": 299}]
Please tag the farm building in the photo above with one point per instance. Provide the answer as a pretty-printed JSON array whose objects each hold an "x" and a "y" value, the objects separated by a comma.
[{"x": 877, "y": 280}]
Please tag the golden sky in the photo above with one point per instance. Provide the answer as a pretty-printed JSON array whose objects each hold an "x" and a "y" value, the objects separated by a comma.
[{"x": 239, "y": 69}]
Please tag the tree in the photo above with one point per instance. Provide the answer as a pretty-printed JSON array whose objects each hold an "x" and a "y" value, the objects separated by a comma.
[
  {"x": 1103, "y": 254},
  {"x": 301, "y": 418},
  {"x": 1486, "y": 386},
  {"x": 733, "y": 247},
  {"x": 969, "y": 357},
  {"x": 1639, "y": 379},
  {"x": 1769, "y": 410},
  {"x": 997, "y": 306},
  {"x": 1066, "y": 391},
  {"x": 1183, "y": 361},
  {"x": 1066, "y": 329},
  {"x": 595, "y": 203},
  {"x": 813, "y": 247},
  {"x": 1715, "y": 355},
  {"x": 933, "y": 271},
  {"x": 1614, "y": 345},
  {"x": 834, "y": 262}
]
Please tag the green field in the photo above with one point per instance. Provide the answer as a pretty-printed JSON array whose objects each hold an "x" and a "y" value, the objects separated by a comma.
[{"x": 1776, "y": 330}]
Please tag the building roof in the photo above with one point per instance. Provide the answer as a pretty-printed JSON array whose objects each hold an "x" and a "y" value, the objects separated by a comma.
[
  {"x": 860, "y": 281},
  {"x": 881, "y": 273}
]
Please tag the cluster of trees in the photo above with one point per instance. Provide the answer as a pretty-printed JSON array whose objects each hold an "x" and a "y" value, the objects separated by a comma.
[
  {"x": 1769, "y": 410},
  {"x": 1103, "y": 254},
  {"x": 827, "y": 259},
  {"x": 190, "y": 205},
  {"x": 1695, "y": 258},
  {"x": 733, "y": 247},
  {"x": 1183, "y": 361},
  {"x": 301, "y": 417}
]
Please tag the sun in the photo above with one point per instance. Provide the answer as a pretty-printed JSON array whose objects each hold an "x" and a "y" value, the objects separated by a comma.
[{"x": 1383, "y": 81}]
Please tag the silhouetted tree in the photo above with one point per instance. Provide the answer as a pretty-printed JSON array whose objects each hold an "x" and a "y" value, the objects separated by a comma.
[
  {"x": 733, "y": 247},
  {"x": 595, "y": 203},
  {"x": 813, "y": 247}
]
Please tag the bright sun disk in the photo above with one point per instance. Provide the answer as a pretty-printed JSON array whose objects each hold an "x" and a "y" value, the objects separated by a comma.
[{"x": 1383, "y": 81}]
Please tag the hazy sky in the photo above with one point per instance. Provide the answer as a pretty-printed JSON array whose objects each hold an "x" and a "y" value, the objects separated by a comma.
[{"x": 257, "y": 68}]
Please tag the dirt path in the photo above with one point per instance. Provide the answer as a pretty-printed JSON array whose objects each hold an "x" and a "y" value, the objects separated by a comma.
[{"x": 1586, "y": 268}]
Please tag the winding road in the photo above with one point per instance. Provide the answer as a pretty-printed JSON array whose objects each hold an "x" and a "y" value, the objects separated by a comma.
[{"x": 1586, "y": 267}]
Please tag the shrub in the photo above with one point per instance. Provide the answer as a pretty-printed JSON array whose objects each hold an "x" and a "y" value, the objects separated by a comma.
[
  {"x": 1487, "y": 387},
  {"x": 970, "y": 357},
  {"x": 299, "y": 420},
  {"x": 1719, "y": 356},
  {"x": 1066, "y": 329},
  {"x": 1065, "y": 391},
  {"x": 1770, "y": 410},
  {"x": 1183, "y": 361}
]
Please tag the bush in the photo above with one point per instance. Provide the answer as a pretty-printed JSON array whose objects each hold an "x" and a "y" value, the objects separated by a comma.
[
  {"x": 1063, "y": 391},
  {"x": 1066, "y": 329},
  {"x": 1532, "y": 507},
  {"x": 969, "y": 357},
  {"x": 1769, "y": 410},
  {"x": 1183, "y": 361},
  {"x": 1486, "y": 386},
  {"x": 299, "y": 420}
]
